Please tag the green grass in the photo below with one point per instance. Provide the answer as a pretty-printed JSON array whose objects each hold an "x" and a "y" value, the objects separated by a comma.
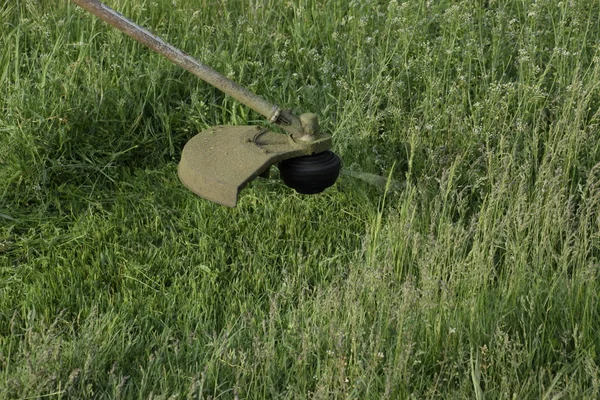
[{"x": 475, "y": 276}]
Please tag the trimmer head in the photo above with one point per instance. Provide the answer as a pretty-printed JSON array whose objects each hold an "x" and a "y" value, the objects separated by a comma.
[{"x": 217, "y": 163}]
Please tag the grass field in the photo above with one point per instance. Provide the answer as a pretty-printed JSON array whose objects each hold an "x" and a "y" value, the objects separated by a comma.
[{"x": 475, "y": 275}]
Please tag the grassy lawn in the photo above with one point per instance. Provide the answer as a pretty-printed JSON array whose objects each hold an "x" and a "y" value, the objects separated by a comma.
[{"x": 475, "y": 273}]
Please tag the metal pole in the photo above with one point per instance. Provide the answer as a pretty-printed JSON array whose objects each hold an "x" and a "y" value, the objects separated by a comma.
[{"x": 271, "y": 111}]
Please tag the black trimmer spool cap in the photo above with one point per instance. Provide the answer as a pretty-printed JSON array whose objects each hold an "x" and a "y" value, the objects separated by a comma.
[{"x": 311, "y": 174}]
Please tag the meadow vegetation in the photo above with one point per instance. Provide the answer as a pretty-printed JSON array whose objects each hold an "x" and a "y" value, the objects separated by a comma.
[{"x": 476, "y": 276}]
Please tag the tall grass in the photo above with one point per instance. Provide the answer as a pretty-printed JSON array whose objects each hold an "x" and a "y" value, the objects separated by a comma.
[{"x": 475, "y": 276}]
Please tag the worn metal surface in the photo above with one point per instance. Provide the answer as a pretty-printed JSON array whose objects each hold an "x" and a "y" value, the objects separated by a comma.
[
  {"x": 284, "y": 118},
  {"x": 217, "y": 163},
  {"x": 180, "y": 58}
]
